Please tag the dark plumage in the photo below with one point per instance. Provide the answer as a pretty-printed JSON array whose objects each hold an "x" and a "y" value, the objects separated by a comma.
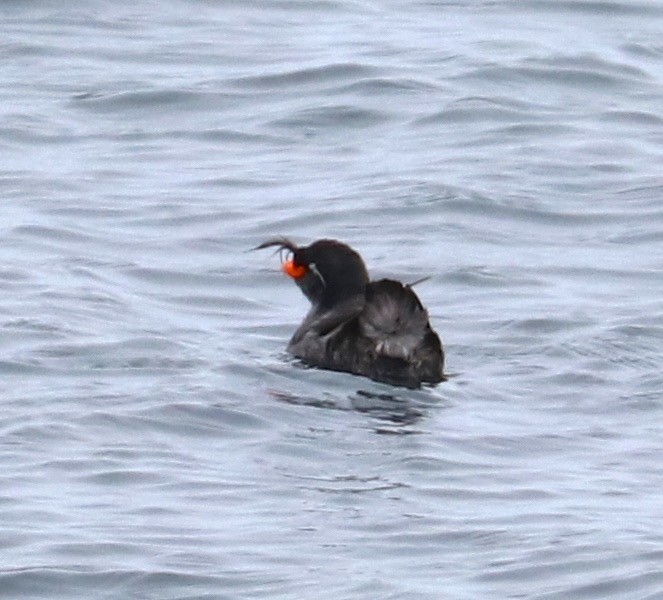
[{"x": 378, "y": 329}]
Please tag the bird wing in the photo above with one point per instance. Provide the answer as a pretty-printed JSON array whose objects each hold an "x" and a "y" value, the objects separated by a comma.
[
  {"x": 321, "y": 322},
  {"x": 394, "y": 318}
]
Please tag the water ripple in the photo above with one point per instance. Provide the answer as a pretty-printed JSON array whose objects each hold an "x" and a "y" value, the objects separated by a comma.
[{"x": 157, "y": 440}]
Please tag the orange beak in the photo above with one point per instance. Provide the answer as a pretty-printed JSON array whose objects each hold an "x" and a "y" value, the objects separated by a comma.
[{"x": 295, "y": 271}]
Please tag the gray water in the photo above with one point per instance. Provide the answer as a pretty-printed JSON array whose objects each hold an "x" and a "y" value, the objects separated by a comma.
[{"x": 156, "y": 440}]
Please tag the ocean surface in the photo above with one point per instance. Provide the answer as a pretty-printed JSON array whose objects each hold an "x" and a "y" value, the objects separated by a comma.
[{"x": 157, "y": 442}]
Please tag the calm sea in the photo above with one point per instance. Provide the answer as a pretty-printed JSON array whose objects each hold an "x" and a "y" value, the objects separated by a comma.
[{"x": 155, "y": 439}]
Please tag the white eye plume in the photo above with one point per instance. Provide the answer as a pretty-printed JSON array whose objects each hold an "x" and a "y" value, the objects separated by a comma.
[{"x": 314, "y": 269}]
